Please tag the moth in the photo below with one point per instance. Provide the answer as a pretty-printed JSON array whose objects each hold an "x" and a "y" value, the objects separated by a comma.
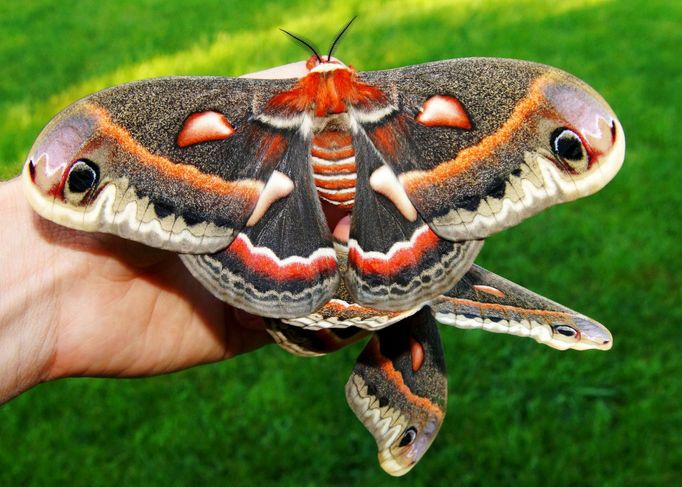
[{"x": 418, "y": 164}]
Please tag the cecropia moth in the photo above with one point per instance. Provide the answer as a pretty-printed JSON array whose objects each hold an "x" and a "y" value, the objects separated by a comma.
[{"x": 422, "y": 163}]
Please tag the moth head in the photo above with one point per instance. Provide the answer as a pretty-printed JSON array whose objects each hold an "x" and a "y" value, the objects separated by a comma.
[
  {"x": 401, "y": 453},
  {"x": 321, "y": 64},
  {"x": 579, "y": 142}
]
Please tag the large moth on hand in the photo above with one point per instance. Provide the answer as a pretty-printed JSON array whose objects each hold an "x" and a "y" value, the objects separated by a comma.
[{"x": 341, "y": 202}]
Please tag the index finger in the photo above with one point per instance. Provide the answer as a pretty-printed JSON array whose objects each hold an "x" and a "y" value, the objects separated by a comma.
[{"x": 291, "y": 70}]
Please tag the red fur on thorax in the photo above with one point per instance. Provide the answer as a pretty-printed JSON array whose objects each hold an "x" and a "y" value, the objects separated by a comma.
[{"x": 327, "y": 93}]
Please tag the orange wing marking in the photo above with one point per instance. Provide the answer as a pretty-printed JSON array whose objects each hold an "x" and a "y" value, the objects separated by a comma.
[
  {"x": 523, "y": 311},
  {"x": 397, "y": 378},
  {"x": 416, "y": 180},
  {"x": 417, "y": 351},
  {"x": 245, "y": 189}
]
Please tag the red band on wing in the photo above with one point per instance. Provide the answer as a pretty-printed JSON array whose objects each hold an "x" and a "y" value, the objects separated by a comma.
[
  {"x": 385, "y": 139},
  {"x": 265, "y": 262},
  {"x": 402, "y": 255},
  {"x": 271, "y": 147}
]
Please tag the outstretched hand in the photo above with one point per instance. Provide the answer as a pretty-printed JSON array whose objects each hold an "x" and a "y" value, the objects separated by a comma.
[
  {"x": 90, "y": 304},
  {"x": 76, "y": 303}
]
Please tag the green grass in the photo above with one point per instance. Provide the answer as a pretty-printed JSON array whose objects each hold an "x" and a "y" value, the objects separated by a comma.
[{"x": 519, "y": 413}]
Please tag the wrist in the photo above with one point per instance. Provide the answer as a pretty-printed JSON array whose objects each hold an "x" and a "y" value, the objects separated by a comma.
[{"x": 27, "y": 328}]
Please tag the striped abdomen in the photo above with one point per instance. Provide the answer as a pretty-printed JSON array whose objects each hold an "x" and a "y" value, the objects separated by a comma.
[{"x": 333, "y": 162}]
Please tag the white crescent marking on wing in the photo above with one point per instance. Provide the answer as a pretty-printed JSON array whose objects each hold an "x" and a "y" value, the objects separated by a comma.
[
  {"x": 278, "y": 186},
  {"x": 395, "y": 248},
  {"x": 384, "y": 182}
]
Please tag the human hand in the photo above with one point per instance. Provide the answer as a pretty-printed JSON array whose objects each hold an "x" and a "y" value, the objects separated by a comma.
[{"x": 91, "y": 304}]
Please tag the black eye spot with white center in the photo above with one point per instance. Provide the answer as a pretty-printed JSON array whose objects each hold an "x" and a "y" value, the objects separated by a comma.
[
  {"x": 566, "y": 331},
  {"x": 83, "y": 178},
  {"x": 408, "y": 437},
  {"x": 568, "y": 147}
]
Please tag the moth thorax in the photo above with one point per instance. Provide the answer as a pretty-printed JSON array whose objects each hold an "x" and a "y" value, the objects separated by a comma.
[{"x": 332, "y": 158}]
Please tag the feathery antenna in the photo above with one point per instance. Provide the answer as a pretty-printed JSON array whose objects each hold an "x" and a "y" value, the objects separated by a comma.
[
  {"x": 304, "y": 42},
  {"x": 338, "y": 37}
]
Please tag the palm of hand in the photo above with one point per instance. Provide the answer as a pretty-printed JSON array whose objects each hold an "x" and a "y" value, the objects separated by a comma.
[{"x": 123, "y": 309}]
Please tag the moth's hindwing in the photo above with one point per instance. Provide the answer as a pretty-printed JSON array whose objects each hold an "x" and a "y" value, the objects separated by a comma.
[
  {"x": 480, "y": 144},
  {"x": 395, "y": 260},
  {"x": 398, "y": 390},
  {"x": 484, "y": 300},
  {"x": 159, "y": 161},
  {"x": 283, "y": 265}
]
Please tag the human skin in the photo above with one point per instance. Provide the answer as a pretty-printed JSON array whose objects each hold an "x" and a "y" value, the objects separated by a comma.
[{"x": 91, "y": 304}]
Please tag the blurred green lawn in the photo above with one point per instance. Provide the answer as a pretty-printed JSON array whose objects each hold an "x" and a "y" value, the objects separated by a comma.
[{"x": 519, "y": 413}]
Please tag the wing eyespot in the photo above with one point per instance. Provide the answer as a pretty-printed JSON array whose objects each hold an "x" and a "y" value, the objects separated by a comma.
[
  {"x": 82, "y": 179},
  {"x": 569, "y": 149},
  {"x": 566, "y": 331},
  {"x": 408, "y": 437}
]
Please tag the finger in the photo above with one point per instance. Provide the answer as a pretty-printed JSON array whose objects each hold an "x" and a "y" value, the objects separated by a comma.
[
  {"x": 251, "y": 340},
  {"x": 244, "y": 332},
  {"x": 247, "y": 320},
  {"x": 291, "y": 70},
  {"x": 338, "y": 221},
  {"x": 96, "y": 244}
]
